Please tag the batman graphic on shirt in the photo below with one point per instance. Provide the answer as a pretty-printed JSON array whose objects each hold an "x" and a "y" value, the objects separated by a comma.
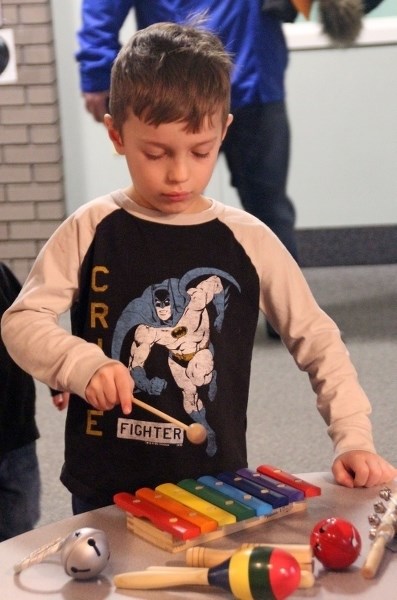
[{"x": 174, "y": 314}]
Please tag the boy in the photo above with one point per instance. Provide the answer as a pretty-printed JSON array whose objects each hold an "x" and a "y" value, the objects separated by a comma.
[{"x": 165, "y": 286}]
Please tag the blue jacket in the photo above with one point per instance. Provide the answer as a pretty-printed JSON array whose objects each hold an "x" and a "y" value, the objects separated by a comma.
[{"x": 255, "y": 40}]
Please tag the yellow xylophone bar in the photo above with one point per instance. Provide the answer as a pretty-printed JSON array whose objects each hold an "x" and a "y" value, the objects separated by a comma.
[{"x": 221, "y": 516}]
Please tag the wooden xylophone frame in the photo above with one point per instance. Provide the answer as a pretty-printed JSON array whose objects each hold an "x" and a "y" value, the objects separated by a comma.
[{"x": 152, "y": 532}]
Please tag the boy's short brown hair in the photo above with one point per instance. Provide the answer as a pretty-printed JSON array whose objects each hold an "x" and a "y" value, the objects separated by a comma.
[{"x": 168, "y": 73}]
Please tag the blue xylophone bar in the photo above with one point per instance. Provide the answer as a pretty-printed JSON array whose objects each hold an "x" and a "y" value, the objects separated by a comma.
[
  {"x": 260, "y": 507},
  {"x": 293, "y": 494},
  {"x": 274, "y": 498}
]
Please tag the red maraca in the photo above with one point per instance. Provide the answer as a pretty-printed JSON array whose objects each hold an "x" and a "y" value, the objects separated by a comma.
[
  {"x": 336, "y": 543},
  {"x": 250, "y": 574}
]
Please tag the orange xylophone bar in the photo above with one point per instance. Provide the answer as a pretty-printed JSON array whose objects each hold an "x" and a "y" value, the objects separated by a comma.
[{"x": 175, "y": 517}]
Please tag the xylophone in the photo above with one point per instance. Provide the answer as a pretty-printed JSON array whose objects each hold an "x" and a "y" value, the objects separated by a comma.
[{"x": 193, "y": 512}]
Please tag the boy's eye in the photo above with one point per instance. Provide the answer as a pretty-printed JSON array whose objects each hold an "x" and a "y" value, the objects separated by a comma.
[
  {"x": 201, "y": 154},
  {"x": 154, "y": 156}
]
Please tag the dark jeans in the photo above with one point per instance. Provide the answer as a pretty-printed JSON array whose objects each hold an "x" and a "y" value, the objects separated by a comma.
[
  {"x": 257, "y": 148},
  {"x": 19, "y": 491}
]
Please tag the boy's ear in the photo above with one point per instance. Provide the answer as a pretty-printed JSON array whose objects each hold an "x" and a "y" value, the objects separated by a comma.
[
  {"x": 114, "y": 134},
  {"x": 229, "y": 121}
]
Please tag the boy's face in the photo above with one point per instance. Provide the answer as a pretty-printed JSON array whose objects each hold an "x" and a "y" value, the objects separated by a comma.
[{"x": 169, "y": 167}]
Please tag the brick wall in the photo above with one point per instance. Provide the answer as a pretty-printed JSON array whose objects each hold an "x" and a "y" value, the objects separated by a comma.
[{"x": 31, "y": 175}]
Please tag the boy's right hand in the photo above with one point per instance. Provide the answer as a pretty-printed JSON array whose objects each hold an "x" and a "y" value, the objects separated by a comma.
[{"x": 111, "y": 385}]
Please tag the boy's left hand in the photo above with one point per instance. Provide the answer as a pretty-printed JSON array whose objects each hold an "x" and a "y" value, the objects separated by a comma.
[{"x": 359, "y": 468}]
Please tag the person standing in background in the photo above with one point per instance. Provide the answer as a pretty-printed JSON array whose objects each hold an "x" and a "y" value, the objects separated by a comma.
[{"x": 19, "y": 467}]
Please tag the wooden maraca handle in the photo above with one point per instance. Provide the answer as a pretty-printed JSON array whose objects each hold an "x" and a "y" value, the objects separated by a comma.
[
  {"x": 152, "y": 579},
  {"x": 200, "y": 556},
  {"x": 302, "y": 552}
]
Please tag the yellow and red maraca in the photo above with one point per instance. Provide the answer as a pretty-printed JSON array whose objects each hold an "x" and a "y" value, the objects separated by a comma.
[
  {"x": 250, "y": 574},
  {"x": 258, "y": 574}
]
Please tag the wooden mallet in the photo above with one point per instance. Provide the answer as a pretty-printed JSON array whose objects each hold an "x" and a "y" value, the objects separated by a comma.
[{"x": 195, "y": 432}]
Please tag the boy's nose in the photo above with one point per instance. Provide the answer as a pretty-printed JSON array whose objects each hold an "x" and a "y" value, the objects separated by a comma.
[{"x": 178, "y": 171}]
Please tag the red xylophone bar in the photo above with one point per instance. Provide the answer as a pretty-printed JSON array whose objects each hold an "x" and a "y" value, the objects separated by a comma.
[
  {"x": 162, "y": 519},
  {"x": 308, "y": 489}
]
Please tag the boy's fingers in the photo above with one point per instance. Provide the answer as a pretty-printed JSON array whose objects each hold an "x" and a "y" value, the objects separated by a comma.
[
  {"x": 110, "y": 385},
  {"x": 372, "y": 471},
  {"x": 126, "y": 406},
  {"x": 342, "y": 476},
  {"x": 124, "y": 389},
  {"x": 362, "y": 469}
]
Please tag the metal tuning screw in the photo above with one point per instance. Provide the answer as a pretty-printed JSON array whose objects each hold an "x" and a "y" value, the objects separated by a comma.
[
  {"x": 379, "y": 508},
  {"x": 385, "y": 493},
  {"x": 374, "y": 520}
]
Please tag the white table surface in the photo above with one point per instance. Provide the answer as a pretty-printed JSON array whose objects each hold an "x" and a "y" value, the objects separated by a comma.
[{"x": 48, "y": 580}]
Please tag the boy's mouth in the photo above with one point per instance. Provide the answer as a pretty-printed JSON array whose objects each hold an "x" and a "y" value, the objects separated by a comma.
[{"x": 177, "y": 196}]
